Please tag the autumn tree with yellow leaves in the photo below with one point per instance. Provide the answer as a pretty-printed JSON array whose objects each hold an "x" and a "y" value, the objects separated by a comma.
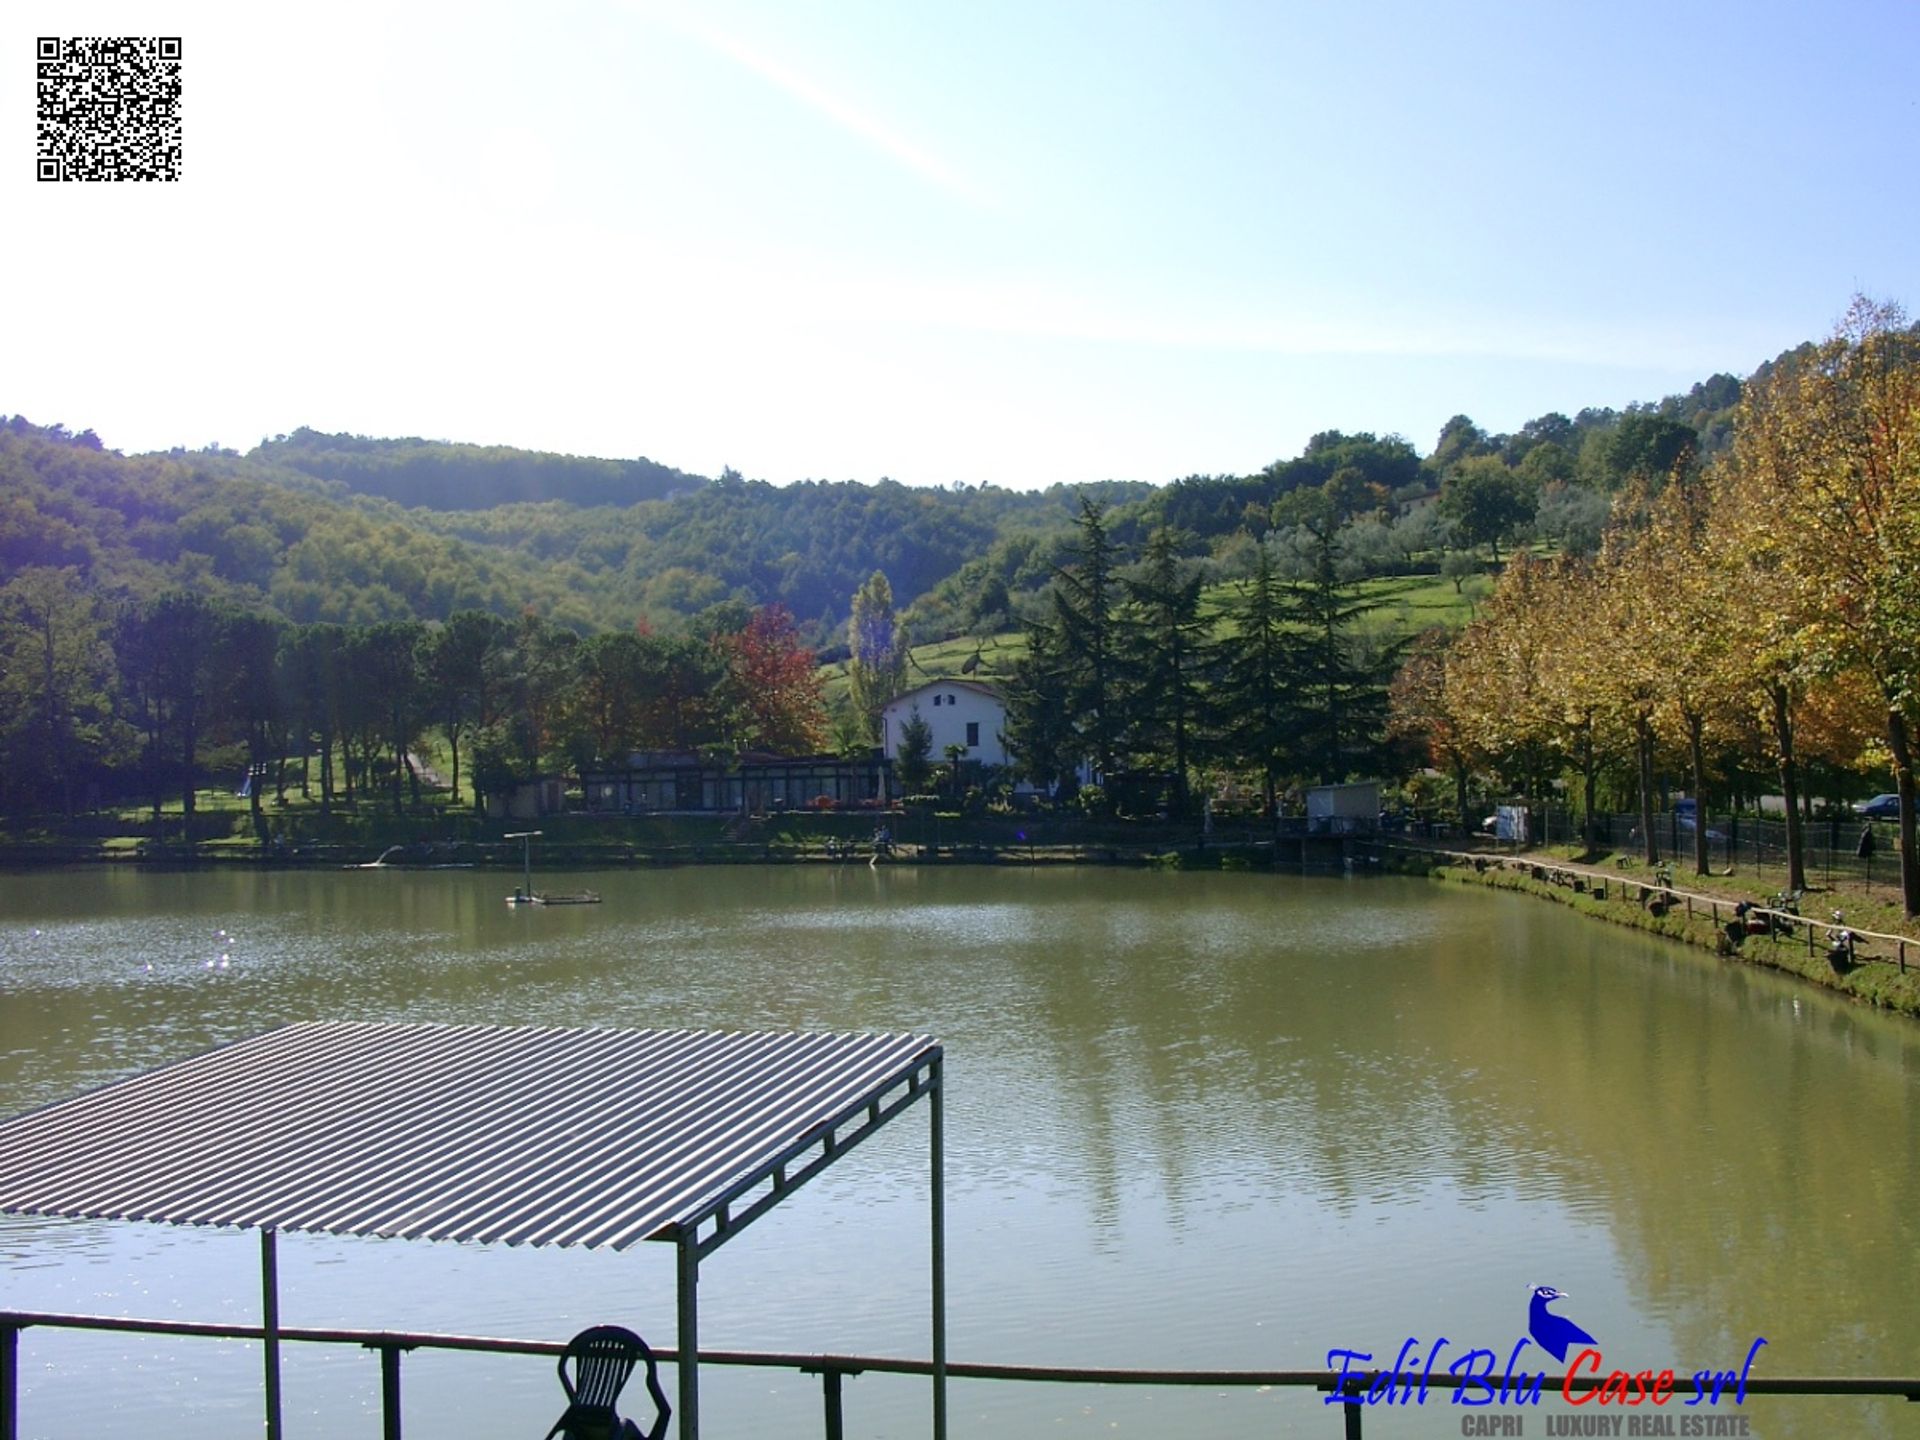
[
  {"x": 1497, "y": 675},
  {"x": 1827, "y": 451}
]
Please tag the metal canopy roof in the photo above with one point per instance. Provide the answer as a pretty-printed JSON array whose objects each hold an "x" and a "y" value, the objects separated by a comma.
[{"x": 539, "y": 1136}]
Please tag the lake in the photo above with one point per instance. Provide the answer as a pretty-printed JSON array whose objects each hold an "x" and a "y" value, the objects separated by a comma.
[{"x": 1223, "y": 1121}]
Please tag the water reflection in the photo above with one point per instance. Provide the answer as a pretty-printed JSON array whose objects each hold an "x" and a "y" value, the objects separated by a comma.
[{"x": 1227, "y": 1120}]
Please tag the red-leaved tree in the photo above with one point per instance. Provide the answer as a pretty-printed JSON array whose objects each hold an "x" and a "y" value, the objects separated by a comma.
[{"x": 775, "y": 685}]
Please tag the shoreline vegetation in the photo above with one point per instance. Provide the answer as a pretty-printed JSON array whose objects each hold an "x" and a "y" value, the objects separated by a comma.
[{"x": 1621, "y": 891}]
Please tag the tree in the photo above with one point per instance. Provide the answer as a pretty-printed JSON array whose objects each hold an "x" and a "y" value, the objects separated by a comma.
[
  {"x": 1641, "y": 446},
  {"x": 1253, "y": 699},
  {"x": 877, "y": 645},
  {"x": 1574, "y": 656},
  {"x": 380, "y": 659},
  {"x": 1086, "y": 641},
  {"x": 1340, "y": 676},
  {"x": 682, "y": 693},
  {"x": 955, "y": 753},
  {"x": 1419, "y": 709},
  {"x": 1040, "y": 730},
  {"x": 251, "y": 647},
  {"x": 1460, "y": 439},
  {"x": 542, "y": 670},
  {"x": 312, "y": 673},
  {"x": 1830, "y": 444},
  {"x": 56, "y": 683},
  {"x": 775, "y": 686},
  {"x": 609, "y": 694},
  {"x": 1702, "y": 680},
  {"x": 1497, "y": 680},
  {"x": 912, "y": 760},
  {"x": 1486, "y": 501},
  {"x": 1631, "y": 677},
  {"x": 168, "y": 653},
  {"x": 1165, "y": 640},
  {"x": 460, "y": 663},
  {"x": 1572, "y": 516}
]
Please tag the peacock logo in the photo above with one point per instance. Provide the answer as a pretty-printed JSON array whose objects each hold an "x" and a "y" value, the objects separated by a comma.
[{"x": 1553, "y": 1333}]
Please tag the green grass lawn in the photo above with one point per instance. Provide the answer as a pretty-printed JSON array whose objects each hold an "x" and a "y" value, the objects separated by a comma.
[
  {"x": 1409, "y": 604},
  {"x": 1404, "y": 605},
  {"x": 943, "y": 660}
]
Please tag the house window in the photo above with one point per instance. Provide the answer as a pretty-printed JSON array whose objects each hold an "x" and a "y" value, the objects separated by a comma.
[
  {"x": 936, "y": 700},
  {"x": 973, "y": 733}
]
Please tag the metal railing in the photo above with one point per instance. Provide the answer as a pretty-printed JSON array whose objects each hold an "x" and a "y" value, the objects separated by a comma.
[
  {"x": 834, "y": 1369},
  {"x": 1745, "y": 842},
  {"x": 1658, "y": 887}
]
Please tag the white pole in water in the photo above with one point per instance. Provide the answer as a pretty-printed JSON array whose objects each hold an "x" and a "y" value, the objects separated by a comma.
[{"x": 526, "y": 839}]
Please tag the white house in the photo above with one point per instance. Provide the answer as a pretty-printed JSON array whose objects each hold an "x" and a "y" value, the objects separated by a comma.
[{"x": 959, "y": 712}]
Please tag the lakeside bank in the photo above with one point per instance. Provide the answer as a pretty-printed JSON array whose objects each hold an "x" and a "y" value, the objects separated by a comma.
[{"x": 1886, "y": 973}]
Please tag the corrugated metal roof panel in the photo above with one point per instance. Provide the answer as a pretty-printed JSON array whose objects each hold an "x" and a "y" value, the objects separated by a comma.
[{"x": 542, "y": 1136}]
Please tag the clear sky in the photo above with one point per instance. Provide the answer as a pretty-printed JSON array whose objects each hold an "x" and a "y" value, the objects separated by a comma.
[{"x": 1014, "y": 243}]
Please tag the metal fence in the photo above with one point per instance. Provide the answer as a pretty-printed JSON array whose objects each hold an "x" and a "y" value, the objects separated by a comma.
[
  {"x": 833, "y": 1370},
  {"x": 1745, "y": 843},
  {"x": 1738, "y": 842}
]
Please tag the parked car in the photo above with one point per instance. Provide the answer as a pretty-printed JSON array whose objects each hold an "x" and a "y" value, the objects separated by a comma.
[
  {"x": 1881, "y": 807},
  {"x": 1684, "y": 810}
]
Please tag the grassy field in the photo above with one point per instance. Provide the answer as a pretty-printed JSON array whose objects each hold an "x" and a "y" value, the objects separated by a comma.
[
  {"x": 1409, "y": 604},
  {"x": 944, "y": 659},
  {"x": 1404, "y": 605}
]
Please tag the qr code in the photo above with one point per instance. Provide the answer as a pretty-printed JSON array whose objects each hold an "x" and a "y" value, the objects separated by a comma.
[{"x": 109, "y": 109}]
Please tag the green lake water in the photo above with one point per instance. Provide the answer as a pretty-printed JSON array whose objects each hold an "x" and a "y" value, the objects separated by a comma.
[{"x": 1221, "y": 1121}]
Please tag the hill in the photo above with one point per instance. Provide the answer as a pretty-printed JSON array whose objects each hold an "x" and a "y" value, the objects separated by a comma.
[
  {"x": 237, "y": 530},
  {"x": 437, "y": 475},
  {"x": 341, "y": 527}
]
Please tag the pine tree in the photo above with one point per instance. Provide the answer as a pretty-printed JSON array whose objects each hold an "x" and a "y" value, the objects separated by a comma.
[
  {"x": 1341, "y": 678},
  {"x": 1040, "y": 731},
  {"x": 1088, "y": 629},
  {"x": 1165, "y": 640},
  {"x": 912, "y": 763},
  {"x": 1254, "y": 695}
]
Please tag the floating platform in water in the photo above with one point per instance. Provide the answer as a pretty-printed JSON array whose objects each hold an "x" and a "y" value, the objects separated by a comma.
[{"x": 578, "y": 897}]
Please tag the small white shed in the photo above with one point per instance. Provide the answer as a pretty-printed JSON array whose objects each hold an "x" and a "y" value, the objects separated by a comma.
[{"x": 1344, "y": 809}]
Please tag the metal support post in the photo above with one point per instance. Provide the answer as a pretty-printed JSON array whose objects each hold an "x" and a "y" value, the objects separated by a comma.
[
  {"x": 830, "y": 1389},
  {"x": 9, "y": 1382},
  {"x": 936, "y": 1126},
  {"x": 390, "y": 1392},
  {"x": 270, "y": 1327},
  {"x": 689, "y": 1341}
]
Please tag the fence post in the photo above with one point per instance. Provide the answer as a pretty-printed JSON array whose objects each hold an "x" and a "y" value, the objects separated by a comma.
[
  {"x": 830, "y": 1390},
  {"x": 390, "y": 1391},
  {"x": 9, "y": 1382}
]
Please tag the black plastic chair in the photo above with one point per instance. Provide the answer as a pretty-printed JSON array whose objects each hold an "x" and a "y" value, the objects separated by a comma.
[{"x": 601, "y": 1359}]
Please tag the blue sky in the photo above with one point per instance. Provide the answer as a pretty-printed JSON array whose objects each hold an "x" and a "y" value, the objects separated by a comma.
[{"x": 1006, "y": 243}]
